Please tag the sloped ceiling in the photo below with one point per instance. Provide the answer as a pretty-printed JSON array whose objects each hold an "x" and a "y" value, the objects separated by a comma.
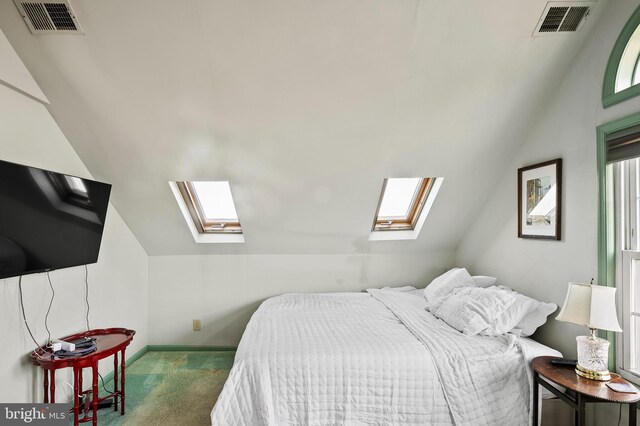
[{"x": 305, "y": 106}]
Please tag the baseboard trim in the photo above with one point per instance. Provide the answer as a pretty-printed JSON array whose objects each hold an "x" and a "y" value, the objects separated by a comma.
[
  {"x": 191, "y": 348},
  {"x": 128, "y": 362},
  {"x": 137, "y": 355}
]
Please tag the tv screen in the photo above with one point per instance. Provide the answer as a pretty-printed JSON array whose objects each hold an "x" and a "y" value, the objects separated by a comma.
[{"x": 48, "y": 220}]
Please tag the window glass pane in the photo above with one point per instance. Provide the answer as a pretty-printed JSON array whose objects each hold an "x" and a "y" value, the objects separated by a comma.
[
  {"x": 216, "y": 200},
  {"x": 627, "y": 68},
  {"x": 628, "y": 184},
  {"x": 635, "y": 343},
  {"x": 398, "y": 196},
  {"x": 634, "y": 222},
  {"x": 637, "y": 176},
  {"x": 622, "y": 217},
  {"x": 636, "y": 72},
  {"x": 634, "y": 286}
]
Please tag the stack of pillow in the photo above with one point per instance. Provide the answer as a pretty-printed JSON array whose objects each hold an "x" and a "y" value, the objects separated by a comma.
[{"x": 474, "y": 305}]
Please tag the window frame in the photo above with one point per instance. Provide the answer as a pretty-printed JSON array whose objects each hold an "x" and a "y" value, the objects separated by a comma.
[
  {"x": 198, "y": 237},
  {"x": 626, "y": 367},
  {"x": 608, "y": 260},
  {"x": 411, "y": 234},
  {"x": 627, "y": 216},
  {"x": 408, "y": 222},
  {"x": 203, "y": 224},
  {"x": 609, "y": 95}
]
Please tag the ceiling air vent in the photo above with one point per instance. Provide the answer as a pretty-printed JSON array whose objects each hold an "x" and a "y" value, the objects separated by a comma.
[
  {"x": 562, "y": 17},
  {"x": 49, "y": 17}
]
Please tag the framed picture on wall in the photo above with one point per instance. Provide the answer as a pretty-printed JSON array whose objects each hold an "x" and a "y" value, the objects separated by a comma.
[{"x": 540, "y": 200}]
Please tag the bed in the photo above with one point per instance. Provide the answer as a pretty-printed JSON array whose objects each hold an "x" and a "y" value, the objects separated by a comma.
[{"x": 374, "y": 358}]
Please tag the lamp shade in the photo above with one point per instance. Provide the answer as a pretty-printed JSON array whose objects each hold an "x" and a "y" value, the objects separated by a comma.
[{"x": 590, "y": 305}]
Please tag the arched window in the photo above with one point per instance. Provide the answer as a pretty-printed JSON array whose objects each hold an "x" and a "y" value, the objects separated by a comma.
[{"x": 622, "y": 76}]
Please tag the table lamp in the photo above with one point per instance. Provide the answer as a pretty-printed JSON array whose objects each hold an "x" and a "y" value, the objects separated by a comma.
[{"x": 593, "y": 306}]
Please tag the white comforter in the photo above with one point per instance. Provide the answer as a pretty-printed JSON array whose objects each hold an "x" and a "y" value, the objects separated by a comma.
[{"x": 374, "y": 358}]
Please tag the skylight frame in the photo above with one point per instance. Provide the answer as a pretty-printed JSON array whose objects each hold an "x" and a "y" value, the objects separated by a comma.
[
  {"x": 203, "y": 224},
  {"x": 414, "y": 211}
]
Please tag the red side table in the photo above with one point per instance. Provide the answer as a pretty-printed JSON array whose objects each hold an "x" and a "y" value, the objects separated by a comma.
[{"x": 109, "y": 341}]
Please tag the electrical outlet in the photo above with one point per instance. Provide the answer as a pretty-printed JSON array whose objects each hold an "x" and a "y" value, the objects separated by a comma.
[{"x": 196, "y": 325}]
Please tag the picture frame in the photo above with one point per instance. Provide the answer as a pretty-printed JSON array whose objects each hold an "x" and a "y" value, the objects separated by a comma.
[{"x": 540, "y": 200}]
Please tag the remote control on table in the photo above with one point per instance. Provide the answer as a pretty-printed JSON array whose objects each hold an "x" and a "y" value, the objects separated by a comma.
[{"x": 564, "y": 362}]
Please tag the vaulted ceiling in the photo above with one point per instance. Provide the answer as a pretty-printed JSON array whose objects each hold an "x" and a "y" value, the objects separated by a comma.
[{"x": 304, "y": 106}]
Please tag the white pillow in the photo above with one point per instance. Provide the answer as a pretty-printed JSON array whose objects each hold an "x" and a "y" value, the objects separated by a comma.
[
  {"x": 523, "y": 317},
  {"x": 405, "y": 288},
  {"x": 472, "y": 309},
  {"x": 484, "y": 281},
  {"x": 511, "y": 317},
  {"x": 443, "y": 285},
  {"x": 535, "y": 319}
]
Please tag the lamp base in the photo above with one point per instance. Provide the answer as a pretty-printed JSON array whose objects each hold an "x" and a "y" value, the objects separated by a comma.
[
  {"x": 593, "y": 354},
  {"x": 602, "y": 376}
]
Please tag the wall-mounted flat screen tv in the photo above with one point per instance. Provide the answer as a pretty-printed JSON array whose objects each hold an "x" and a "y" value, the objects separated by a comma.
[{"x": 48, "y": 220}]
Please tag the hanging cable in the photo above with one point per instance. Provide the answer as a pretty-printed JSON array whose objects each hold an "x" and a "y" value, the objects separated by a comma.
[
  {"x": 103, "y": 386},
  {"x": 58, "y": 379},
  {"x": 620, "y": 415},
  {"x": 86, "y": 293},
  {"x": 46, "y": 317},
  {"x": 24, "y": 316}
]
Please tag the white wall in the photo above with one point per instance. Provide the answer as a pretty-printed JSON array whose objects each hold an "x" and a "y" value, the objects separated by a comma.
[
  {"x": 14, "y": 74},
  {"x": 566, "y": 129},
  {"x": 223, "y": 291},
  {"x": 117, "y": 283}
]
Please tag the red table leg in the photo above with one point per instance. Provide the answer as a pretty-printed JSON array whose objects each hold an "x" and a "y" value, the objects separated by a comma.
[
  {"x": 53, "y": 386},
  {"x": 76, "y": 370},
  {"x": 46, "y": 386},
  {"x": 116, "y": 396},
  {"x": 122, "y": 381},
  {"x": 94, "y": 386}
]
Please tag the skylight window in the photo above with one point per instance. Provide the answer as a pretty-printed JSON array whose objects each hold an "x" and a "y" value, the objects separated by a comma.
[
  {"x": 216, "y": 201},
  {"x": 398, "y": 198},
  {"x": 401, "y": 203},
  {"x": 211, "y": 207},
  {"x": 403, "y": 207}
]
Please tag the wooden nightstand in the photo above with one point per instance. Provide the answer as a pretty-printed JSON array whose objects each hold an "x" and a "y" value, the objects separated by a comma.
[{"x": 579, "y": 390}]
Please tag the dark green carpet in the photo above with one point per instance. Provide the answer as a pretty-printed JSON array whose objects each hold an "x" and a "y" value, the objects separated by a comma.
[{"x": 171, "y": 388}]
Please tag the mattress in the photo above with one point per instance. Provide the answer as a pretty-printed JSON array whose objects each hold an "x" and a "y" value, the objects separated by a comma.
[{"x": 375, "y": 358}]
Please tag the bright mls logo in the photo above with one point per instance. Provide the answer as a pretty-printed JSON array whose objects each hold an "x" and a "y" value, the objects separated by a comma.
[{"x": 33, "y": 414}]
